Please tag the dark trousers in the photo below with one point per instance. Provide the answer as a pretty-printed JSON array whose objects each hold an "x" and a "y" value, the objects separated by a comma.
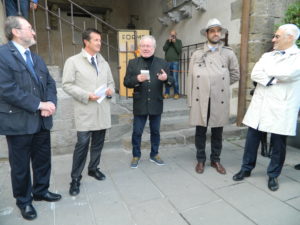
[
  {"x": 138, "y": 128},
  {"x": 278, "y": 152},
  {"x": 12, "y": 8},
  {"x": 215, "y": 140},
  {"x": 23, "y": 149},
  {"x": 216, "y": 143},
  {"x": 81, "y": 151},
  {"x": 174, "y": 68}
]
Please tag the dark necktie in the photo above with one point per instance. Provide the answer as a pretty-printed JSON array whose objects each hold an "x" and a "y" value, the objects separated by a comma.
[
  {"x": 94, "y": 64},
  {"x": 29, "y": 64}
]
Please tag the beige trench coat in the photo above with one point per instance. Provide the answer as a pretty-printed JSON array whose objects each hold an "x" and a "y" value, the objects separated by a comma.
[
  {"x": 210, "y": 77},
  {"x": 80, "y": 79}
]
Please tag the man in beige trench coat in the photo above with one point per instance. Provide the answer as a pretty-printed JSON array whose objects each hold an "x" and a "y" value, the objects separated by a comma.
[
  {"x": 213, "y": 68},
  {"x": 83, "y": 74}
]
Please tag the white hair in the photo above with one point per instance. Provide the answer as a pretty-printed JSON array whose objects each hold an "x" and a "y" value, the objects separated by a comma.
[
  {"x": 290, "y": 29},
  {"x": 149, "y": 37}
]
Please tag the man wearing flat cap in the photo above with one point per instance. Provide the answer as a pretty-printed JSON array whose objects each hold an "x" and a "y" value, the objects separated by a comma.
[{"x": 213, "y": 68}]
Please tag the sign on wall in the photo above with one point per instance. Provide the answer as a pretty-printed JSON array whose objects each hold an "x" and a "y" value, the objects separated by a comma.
[{"x": 128, "y": 49}]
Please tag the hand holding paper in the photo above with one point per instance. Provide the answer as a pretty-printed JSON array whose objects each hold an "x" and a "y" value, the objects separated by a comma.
[{"x": 101, "y": 92}]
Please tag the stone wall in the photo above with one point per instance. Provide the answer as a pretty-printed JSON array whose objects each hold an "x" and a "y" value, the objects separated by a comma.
[{"x": 265, "y": 14}]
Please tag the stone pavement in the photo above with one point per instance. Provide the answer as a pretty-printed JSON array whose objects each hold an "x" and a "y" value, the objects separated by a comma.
[{"x": 164, "y": 195}]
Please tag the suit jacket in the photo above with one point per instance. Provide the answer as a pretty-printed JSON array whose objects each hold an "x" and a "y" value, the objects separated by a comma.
[
  {"x": 147, "y": 96},
  {"x": 21, "y": 93}
]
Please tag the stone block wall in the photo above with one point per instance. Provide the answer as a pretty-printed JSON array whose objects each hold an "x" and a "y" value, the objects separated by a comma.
[{"x": 265, "y": 14}]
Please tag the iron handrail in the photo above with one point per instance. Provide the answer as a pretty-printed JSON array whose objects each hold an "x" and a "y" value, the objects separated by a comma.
[{"x": 91, "y": 14}]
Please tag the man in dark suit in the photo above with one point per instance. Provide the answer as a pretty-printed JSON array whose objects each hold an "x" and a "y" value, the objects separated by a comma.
[
  {"x": 147, "y": 74},
  {"x": 27, "y": 102}
]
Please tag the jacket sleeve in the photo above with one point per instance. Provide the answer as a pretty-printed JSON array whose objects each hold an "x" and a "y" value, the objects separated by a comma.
[
  {"x": 12, "y": 94},
  {"x": 69, "y": 84},
  {"x": 190, "y": 82},
  {"x": 166, "y": 45},
  {"x": 234, "y": 70},
  {"x": 259, "y": 74},
  {"x": 130, "y": 79},
  {"x": 178, "y": 46},
  {"x": 286, "y": 69}
]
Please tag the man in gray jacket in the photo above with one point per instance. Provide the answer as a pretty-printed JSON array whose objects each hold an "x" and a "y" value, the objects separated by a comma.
[
  {"x": 213, "y": 68},
  {"x": 88, "y": 79}
]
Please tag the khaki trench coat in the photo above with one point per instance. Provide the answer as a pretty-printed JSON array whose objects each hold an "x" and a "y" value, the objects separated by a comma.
[
  {"x": 79, "y": 79},
  {"x": 210, "y": 76}
]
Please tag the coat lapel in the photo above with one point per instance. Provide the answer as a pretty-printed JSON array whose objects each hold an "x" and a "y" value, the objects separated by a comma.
[{"x": 18, "y": 56}]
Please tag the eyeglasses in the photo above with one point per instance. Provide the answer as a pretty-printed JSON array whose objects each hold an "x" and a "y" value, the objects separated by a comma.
[
  {"x": 276, "y": 36},
  {"x": 28, "y": 28}
]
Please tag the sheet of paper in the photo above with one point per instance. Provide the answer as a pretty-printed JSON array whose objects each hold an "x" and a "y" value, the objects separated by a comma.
[
  {"x": 147, "y": 73},
  {"x": 101, "y": 92}
]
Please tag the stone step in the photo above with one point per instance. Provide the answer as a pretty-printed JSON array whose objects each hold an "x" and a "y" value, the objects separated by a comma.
[{"x": 183, "y": 137}]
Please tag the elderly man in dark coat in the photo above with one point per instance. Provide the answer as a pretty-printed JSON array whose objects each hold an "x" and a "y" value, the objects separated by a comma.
[
  {"x": 27, "y": 102},
  {"x": 147, "y": 75}
]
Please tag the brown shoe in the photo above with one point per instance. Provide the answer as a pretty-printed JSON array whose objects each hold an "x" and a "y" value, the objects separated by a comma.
[
  {"x": 199, "y": 167},
  {"x": 218, "y": 166}
]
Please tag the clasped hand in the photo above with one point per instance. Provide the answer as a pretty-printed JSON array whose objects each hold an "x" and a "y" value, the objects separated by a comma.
[{"x": 47, "y": 109}]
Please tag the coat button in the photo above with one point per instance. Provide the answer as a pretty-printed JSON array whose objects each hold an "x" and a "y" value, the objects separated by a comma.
[
  {"x": 223, "y": 66},
  {"x": 197, "y": 88},
  {"x": 223, "y": 78},
  {"x": 10, "y": 111},
  {"x": 149, "y": 90},
  {"x": 200, "y": 65},
  {"x": 198, "y": 76},
  {"x": 197, "y": 99},
  {"x": 222, "y": 90},
  {"x": 222, "y": 102},
  {"x": 148, "y": 99}
]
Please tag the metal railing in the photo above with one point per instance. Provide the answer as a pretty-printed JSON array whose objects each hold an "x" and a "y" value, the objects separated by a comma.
[
  {"x": 108, "y": 37},
  {"x": 56, "y": 41}
]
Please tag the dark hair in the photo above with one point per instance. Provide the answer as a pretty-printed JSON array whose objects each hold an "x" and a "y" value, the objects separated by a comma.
[
  {"x": 11, "y": 22},
  {"x": 86, "y": 34}
]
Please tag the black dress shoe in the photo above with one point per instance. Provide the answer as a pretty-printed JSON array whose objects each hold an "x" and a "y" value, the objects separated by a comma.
[
  {"x": 97, "y": 174},
  {"x": 297, "y": 167},
  {"x": 48, "y": 197},
  {"x": 28, "y": 212},
  {"x": 241, "y": 175},
  {"x": 273, "y": 184},
  {"x": 74, "y": 187}
]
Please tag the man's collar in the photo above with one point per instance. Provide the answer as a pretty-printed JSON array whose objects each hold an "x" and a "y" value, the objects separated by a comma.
[
  {"x": 20, "y": 48},
  {"x": 291, "y": 50},
  {"x": 87, "y": 54}
]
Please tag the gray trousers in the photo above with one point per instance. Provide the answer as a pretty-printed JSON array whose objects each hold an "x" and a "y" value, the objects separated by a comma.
[{"x": 81, "y": 150}]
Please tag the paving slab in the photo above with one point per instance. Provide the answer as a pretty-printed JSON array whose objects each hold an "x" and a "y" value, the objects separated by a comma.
[
  {"x": 216, "y": 213},
  {"x": 259, "y": 205},
  {"x": 157, "y": 212},
  {"x": 162, "y": 195}
]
